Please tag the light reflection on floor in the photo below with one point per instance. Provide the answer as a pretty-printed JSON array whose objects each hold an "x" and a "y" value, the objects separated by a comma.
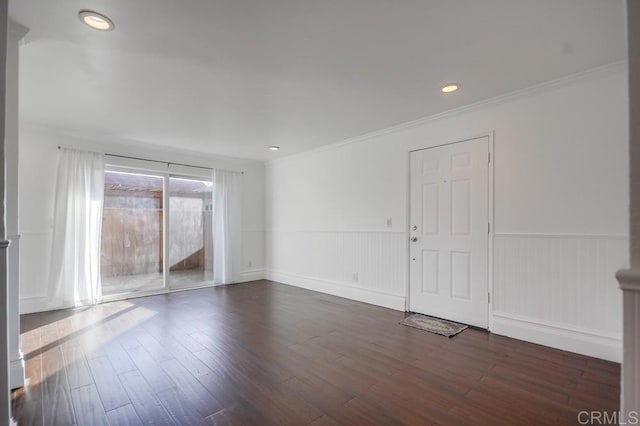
[{"x": 61, "y": 343}]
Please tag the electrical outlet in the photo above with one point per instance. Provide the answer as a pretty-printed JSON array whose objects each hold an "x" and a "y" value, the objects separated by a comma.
[
  {"x": 355, "y": 277},
  {"x": 249, "y": 264},
  {"x": 389, "y": 222}
]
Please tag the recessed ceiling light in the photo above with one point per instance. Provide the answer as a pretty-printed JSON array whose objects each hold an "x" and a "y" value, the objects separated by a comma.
[
  {"x": 273, "y": 148},
  {"x": 450, "y": 87},
  {"x": 96, "y": 20}
]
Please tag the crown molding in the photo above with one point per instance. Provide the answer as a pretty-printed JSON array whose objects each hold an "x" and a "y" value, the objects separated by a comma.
[{"x": 608, "y": 69}]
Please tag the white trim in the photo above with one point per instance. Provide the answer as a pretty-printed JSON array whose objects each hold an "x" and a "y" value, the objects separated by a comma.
[
  {"x": 251, "y": 275},
  {"x": 447, "y": 142},
  {"x": 629, "y": 282},
  {"x": 629, "y": 279},
  {"x": 561, "y": 336},
  {"x": 31, "y": 304},
  {"x": 490, "y": 217},
  {"x": 16, "y": 372},
  {"x": 407, "y": 233},
  {"x": 614, "y": 67},
  {"x": 339, "y": 231},
  {"x": 560, "y": 235},
  {"x": 340, "y": 289},
  {"x": 16, "y": 363}
]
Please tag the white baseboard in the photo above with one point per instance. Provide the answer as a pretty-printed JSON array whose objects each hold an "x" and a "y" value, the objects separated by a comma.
[
  {"x": 251, "y": 275},
  {"x": 16, "y": 372},
  {"x": 572, "y": 339},
  {"x": 30, "y": 305},
  {"x": 348, "y": 291}
]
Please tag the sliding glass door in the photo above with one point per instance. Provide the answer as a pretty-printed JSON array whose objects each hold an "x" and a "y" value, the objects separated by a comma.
[
  {"x": 156, "y": 232},
  {"x": 190, "y": 232},
  {"x": 132, "y": 233}
]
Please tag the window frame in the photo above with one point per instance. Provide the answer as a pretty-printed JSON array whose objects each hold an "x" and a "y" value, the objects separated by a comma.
[{"x": 166, "y": 172}]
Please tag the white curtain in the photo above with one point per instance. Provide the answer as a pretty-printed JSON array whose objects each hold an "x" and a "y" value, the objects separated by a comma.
[
  {"x": 75, "y": 259},
  {"x": 226, "y": 226}
]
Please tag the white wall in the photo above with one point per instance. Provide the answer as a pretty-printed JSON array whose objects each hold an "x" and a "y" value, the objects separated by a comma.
[
  {"x": 560, "y": 216},
  {"x": 38, "y": 169},
  {"x": 12, "y": 152}
]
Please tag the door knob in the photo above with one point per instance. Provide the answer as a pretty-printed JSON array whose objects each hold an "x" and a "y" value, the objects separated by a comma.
[{"x": 414, "y": 239}]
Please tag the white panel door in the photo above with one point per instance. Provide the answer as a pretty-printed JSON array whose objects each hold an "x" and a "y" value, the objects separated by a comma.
[{"x": 449, "y": 231}]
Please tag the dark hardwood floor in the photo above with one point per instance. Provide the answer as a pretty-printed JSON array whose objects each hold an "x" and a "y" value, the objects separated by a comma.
[{"x": 266, "y": 353}]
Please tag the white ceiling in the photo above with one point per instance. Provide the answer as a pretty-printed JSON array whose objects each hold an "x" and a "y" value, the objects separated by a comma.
[{"x": 231, "y": 77}]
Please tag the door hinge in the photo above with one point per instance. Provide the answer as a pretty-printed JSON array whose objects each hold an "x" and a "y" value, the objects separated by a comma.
[
  {"x": 488, "y": 227},
  {"x": 489, "y": 157},
  {"x": 489, "y": 298}
]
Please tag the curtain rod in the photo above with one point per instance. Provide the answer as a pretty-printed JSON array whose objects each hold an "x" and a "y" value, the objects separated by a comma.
[{"x": 168, "y": 163}]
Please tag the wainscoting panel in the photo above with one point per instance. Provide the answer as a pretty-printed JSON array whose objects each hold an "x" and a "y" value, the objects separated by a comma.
[
  {"x": 366, "y": 265},
  {"x": 560, "y": 290}
]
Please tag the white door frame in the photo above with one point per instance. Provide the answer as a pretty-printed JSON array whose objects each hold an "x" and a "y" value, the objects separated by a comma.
[{"x": 490, "y": 136}]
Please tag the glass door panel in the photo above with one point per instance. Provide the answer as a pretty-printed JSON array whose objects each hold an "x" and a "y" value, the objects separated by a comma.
[
  {"x": 132, "y": 233},
  {"x": 190, "y": 232}
]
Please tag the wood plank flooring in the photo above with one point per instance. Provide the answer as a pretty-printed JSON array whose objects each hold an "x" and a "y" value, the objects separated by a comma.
[{"x": 265, "y": 353}]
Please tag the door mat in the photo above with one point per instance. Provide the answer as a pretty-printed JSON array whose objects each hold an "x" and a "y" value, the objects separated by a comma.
[{"x": 434, "y": 325}]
